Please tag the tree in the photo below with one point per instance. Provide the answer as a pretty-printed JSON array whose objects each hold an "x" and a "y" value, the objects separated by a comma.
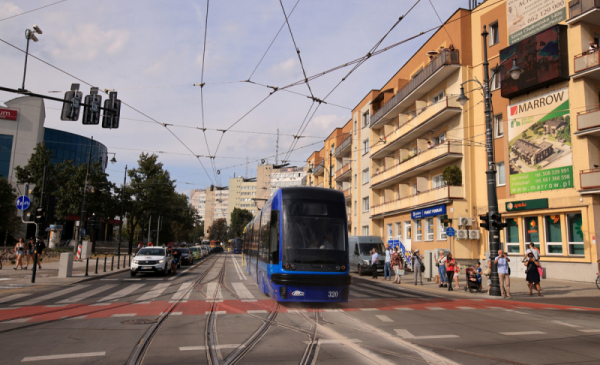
[
  {"x": 9, "y": 222},
  {"x": 239, "y": 219},
  {"x": 452, "y": 175},
  {"x": 33, "y": 173},
  {"x": 218, "y": 230}
]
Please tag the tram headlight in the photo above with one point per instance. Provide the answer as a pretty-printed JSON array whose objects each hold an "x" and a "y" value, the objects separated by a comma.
[
  {"x": 293, "y": 267},
  {"x": 337, "y": 267}
]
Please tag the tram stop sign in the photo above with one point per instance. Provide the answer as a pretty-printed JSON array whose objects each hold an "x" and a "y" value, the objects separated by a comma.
[
  {"x": 450, "y": 232},
  {"x": 23, "y": 202}
]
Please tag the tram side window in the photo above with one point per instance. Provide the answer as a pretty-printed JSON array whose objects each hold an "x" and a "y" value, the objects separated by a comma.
[
  {"x": 274, "y": 239},
  {"x": 264, "y": 238}
]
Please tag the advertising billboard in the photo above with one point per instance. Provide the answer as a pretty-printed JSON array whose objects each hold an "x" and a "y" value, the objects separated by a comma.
[
  {"x": 526, "y": 17},
  {"x": 542, "y": 57},
  {"x": 539, "y": 143}
]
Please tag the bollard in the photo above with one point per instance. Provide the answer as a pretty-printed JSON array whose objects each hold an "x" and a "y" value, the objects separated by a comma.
[
  {"x": 97, "y": 264},
  {"x": 104, "y": 263},
  {"x": 112, "y": 263},
  {"x": 87, "y": 264},
  {"x": 118, "y": 262}
]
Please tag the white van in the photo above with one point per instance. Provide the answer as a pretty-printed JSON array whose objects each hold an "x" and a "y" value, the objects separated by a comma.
[{"x": 359, "y": 249}]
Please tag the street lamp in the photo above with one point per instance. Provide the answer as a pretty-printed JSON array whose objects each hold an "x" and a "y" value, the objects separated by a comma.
[
  {"x": 493, "y": 215},
  {"x": 29, "y": 35}
]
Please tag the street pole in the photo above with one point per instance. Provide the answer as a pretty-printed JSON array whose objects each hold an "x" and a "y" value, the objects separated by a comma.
[
  {"x": 494, "y": 234},
  {"x": 149, "y": 228},
  {"x": 330, "y": 157},
  {"x": 82, "y": 216},
  {"x": 157, "y": 230},
  {"x": 37, "y": 227},
  {"x": 122, "y": 211},
  {"x": 28, "y": 36}
]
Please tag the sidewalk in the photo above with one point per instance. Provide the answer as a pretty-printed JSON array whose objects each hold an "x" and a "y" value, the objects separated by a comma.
[{"x": 11, "y": 279}]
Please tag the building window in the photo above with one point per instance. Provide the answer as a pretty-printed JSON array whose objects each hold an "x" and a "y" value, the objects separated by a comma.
[
  {"x": 575, "y": 234},
  {"x": 365, "y": 176},
  {"x": 355, "y": 230},
  {"x": 498, "y": 126},
  {"x": 419, "y": 235},
  {"x": 532, "y": 231},
  {"x": 511, "y": 233},
  {"x": 365, "y": 204},
  {"x": 365, "y": 146},
  {"x": 442, "y": 230},
  {"x": 438, "y": 97},
  {"x": 553, "y": 234},
  {"x": 390, "y": 231},
  {"x": 365, "y": 119},
  {"x": 355, "y": 207},
  {"x": 365, "y": 230},
  {"x": 429, "y": 229},
  {"x": 355, "y": 131},
  {"x": 438, "y": 181},
  {"x": 399, "y": 231},
  {"x": 494, "y": 34},
  {"x": 355, "y": 181},
  {"x": 495, "y": 81},
  {"x": 501, "y": 174}
]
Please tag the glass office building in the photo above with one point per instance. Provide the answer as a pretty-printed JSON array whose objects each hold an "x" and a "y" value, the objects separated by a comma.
[
  {"x": 69, "y": 146},
  {"x": 6, "y": 142}
]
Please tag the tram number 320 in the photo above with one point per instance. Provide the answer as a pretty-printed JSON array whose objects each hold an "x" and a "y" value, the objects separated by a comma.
[{"x": 333, "y": 294}]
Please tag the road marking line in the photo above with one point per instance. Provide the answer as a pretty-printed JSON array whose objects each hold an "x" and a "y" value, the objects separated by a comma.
[
  {"x": 63, "y": 356},
  {"x": 379, "y": 290},
  {"x": 87, "y": 294},
  {"x": 98, "y": 304},
  {"x": 435, "y": 308},
  {"x": 407, "y": 335},
  {"x": 131, "y": 279},
  {"x": 567, "y": 324},
  {"x": 241, "y": 291},
  {"x": 577, "y": 309},
  {"x": 332, "y": 310},
  {"x": 237, "y": 269},
  {"x": 109, "y": 279},
  {"x": 218, "y": 347},
  {"x": 124, "y": 315},
  {"x": 216, "y": 312},
  {"x": 335, "y": 342},
  {"x": 154, "y": 293},
  {"x": 358, "y": 295},
  {"x": 4, "y": 279},
  {"x": 496, "y": 308},
  {"x": 374, "y": 292},
  {"x": 52, "y": 295},
  {"x": 512, "y": 310},
  {"x": 180, "y": 292},
  {"x": 55, "y": 305},
  {"x": 176, "y": 313},
  {"x": 121, "y": 293},
  {"x": 404, "y": 309},
  {"x": 591, "y": 331},
  {"x": 249, "y": 300},
  {"x": 258, "y": 311},
  {"x": 368, "y": 309},
  {"x": 78, "y": 317},
  {"x": 12, "y": 297},
  {"x": 384, "y": 318},
  {"x": 20, "y": 320},
  {"x": 213, "y": 292},
  {"x": 522, "y": 333},
  {"x": 465, "y": 308}
]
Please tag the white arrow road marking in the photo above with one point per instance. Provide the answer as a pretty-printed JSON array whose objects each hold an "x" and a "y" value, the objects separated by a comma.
[{"x": 63, "y": 356}]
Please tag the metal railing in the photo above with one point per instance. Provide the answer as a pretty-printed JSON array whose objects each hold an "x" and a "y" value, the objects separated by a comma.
[
  {"x": 588, "y": 119},
  {"x": 586, "y": 61},
  {"x": 319, "y": 167},
  {"x": 577, "y": 7},
  {"x": 347, "y": 166},
  {"x": 343, "y": 145},
  {"x": 445, "y": 58}
]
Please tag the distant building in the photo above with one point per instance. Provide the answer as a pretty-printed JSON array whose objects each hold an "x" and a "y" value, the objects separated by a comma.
[
  {"x": 286, "y": 177},
  {"x": 198, "y": 201},
  {"x": 242, "y": 192},
  {"x": 530, "y": 152},
  {"x": 554, "y": 126},
  {"x": 217, "y": 201}
]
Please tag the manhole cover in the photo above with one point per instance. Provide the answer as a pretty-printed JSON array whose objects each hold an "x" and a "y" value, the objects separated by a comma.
[{"x": 139, "y": 321}]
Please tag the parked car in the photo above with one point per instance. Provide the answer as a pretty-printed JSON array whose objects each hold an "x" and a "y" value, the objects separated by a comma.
[
  {"x": 196, "y": 252},
  {"x": 205, "y": 250},
  {"x": 186, "y": 256},
  {"x": 151, "y": 260}
]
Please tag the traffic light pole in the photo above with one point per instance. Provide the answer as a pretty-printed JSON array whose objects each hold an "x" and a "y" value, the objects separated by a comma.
[
  {"x": 82, "y": 216},
  {"x": 37, "y": 229},
  {"x": 122, "y": 212}
]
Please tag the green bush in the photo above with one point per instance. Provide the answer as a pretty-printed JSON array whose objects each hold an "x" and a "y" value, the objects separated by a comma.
[{"x": 452, "y": 175}]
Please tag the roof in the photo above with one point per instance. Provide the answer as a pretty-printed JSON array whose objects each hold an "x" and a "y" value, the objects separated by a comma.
[{"x": 531, "y": 147}]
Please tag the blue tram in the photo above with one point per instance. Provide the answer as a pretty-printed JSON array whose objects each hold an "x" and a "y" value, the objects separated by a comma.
[
  {"x": 297, "y": 246},
  {"x": 236, "y": 245}
]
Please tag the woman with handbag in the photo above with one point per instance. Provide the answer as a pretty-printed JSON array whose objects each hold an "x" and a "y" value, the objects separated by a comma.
[
  {"x": 456, "y": 272},
  {"x": 441, "y": 264},
  {"x": 397, "y": 265},
  {"x": 533, "y": 275},
  {"x": 450, "y": 266},
  {"x": 418, "y": 266}
]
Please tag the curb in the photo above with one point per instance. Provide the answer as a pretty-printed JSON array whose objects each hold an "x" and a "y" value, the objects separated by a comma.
[{"x": 99, "y": 276}]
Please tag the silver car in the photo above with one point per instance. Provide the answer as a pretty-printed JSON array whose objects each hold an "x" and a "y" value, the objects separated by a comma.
[{"x": 151, "y": 260}]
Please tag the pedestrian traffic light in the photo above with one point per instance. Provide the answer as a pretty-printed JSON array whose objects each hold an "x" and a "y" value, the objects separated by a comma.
[
  {"x": 40, "y": 215},
  {"x": 485, "y": 221},
  {"x": 497, "y": 221},
  {"x": 72, "y": 104},
  {"x": 91, "y": 109},
  {"x": 112, "y": 111}
]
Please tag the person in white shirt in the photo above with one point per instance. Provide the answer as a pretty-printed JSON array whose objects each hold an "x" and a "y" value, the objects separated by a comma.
[
  {"x": 441, "y": 264},
  {"x": 374, "y": 259},
  {"x": 387, "y": 268},
  {"x": 531, "y": 248}
]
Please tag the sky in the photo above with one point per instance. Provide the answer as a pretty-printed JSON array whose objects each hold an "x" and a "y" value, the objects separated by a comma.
[{"x": 152, "y": 53}]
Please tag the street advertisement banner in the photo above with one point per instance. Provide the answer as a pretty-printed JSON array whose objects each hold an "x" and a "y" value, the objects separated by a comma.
[
  {"x": 539, "y": 143},
  {"x": 528, "y": 17}
]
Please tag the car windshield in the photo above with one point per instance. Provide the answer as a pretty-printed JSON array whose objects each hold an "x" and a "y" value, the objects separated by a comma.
[
  {"x": 193, "y": 249},
  {"x": 152, "y": 251},
  {"x": 366, "y": 248}
]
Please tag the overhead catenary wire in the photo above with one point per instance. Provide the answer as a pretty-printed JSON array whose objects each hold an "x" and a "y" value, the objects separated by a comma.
[{"x": 32, "y": 10}]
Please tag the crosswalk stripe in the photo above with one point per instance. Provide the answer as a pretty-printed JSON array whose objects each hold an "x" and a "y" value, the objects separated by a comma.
[
  {"x": 12, "y": 297},
  {"x": 52, "y": 295},
  {"x": 121, "y": 293},
  {"x": 242, "y": 291},
  {"x": 211, "y": 290},
  {"x": 379, "y": 290},
  {"x": 87, "y": 294},
  {"x": 358, "y": 295},
  {"x": 181, "y": 291},
  {"x": 384, "y": 318},
  {"x": 372, "y": 292},
  {"x": 154, "y": 293}
]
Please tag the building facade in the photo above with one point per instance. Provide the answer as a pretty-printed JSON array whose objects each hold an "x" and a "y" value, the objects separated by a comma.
[
  {"x": 198, "y": 201},
  {"x": 242, "y": 192},
  {"x": 217, "y": 202}
]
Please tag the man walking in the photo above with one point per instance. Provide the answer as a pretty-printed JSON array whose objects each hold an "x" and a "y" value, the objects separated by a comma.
[
  {"x": 387, "y": 269},
  {"x": 417, "y": 264},
  {"x": 503, "y": 275},
  {"x": 374, "y": 259}
]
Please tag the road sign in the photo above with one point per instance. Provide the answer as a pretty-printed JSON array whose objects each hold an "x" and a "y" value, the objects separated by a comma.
[
  {"x": 450, "y": 232},
  {"x": 23, "y": 202}
]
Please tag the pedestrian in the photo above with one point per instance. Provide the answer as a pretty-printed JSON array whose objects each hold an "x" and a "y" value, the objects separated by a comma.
[
  {"x": 531, "y": 249},
  {"x": 387, "y": 267},
  {"x": 176, "y": 257},
  {"x": 374, "y": 259},
  {"x": 532, "y": 274},
  {"x": 40, "y": 248},
  {"x": 418, "y": 266},
  {"x": 20, "y": 251},
  {"x": 140, "y": 245},
  {"x": 456, "y": 274},
  {"x": 503, "y": 274},
  {"x": 478, "y": 272},
  {"x": 488, "y": 273},
  {"x": 29, "y": 252},
  {"x": 450, "y": 266},
  {"x": 150, "y": 244},
  {"x": 396, "y": 265},
  {"x": 441, "y": 264}
]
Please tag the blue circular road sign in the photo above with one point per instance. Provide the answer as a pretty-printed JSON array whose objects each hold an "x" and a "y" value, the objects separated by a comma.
[
  {"x": 450, "y": 232},
  {"x": 23, "y": 202}
]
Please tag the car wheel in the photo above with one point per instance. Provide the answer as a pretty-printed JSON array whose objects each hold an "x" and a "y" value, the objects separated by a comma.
[
  {"x": 132, "y": 273},
  {"x": 360, "y": 271}
]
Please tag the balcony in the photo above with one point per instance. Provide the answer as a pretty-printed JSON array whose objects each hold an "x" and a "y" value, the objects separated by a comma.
[
  {"x": 436, "y": 71},
  {"x": 319, "y": 169},
  {"x": 344, "y": 173},
  {"x": 429, "y": 159},
  {"x": 430, "y": 117},
  {"x": 587, "y": 65},
  {"x": 587, "y": 11},
  {"x": 590, "y": 181},
  {"x": 588, "y": 123},
  {"x": 442, "y": 195},
  {"x": 344, "y": 148},
  {"x": 348, "y": 194}
]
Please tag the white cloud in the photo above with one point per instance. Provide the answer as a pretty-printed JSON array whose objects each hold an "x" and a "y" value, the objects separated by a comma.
[
  {"x": 154, "y": 69},
  {"x": 285, "y": 69},
  {"x": 87, "y": 41},
  {"x": 8, "y": 9}
]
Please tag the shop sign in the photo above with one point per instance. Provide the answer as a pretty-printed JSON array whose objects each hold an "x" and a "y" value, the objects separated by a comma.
[
  {"x": 428, "y": 212},
  {"x": 8, "y": 114},
  {"x": 527, "y": 205},
  {"x": 525, "y": 18},
  {"x": 539, "y": 143}
]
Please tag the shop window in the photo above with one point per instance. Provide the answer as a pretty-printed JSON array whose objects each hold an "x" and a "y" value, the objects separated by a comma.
[
  {"x": 511, "y": 233},
  {"x": 419, "y": 235},
  {"x": 553, "y": 234},
  {"x": 441, "y": 230},
  {"x": 429, "y": 229},
  {"x": 575, "y": 234},
  {"x": 532, "y": 231}
]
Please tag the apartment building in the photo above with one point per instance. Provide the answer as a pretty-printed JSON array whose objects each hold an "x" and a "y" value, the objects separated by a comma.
[
  {"x": 217, "y": 202},
  {"x": 242, "y": 192},
  {"x": 287, "y": 177},
  {"x": 198, "y": 201}
]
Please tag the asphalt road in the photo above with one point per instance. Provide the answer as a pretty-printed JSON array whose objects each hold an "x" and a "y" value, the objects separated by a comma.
[{"x": 213, "y": 305}]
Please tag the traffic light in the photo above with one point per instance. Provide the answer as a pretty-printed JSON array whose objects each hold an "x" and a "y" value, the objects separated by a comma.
[
  {"x": 497, "y": 221},
  {"x": 72, "y": 104},
  {"x": 91, "y": 113},
  {"x": 485, "y": 221},
  {"x": 112, "y": 111},
  {"x": 40, "y": 215}
]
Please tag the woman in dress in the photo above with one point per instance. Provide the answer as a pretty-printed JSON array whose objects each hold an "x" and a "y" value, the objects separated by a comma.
[
  {"x": 456, "y": 272},
  {"x": 29, "y": 248},
  {"x": 396, "y": 265},
  {"x": 20, "y": 251},
  {"x": 533, "y": 275},
  {"x": 442, "y": 270}
]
